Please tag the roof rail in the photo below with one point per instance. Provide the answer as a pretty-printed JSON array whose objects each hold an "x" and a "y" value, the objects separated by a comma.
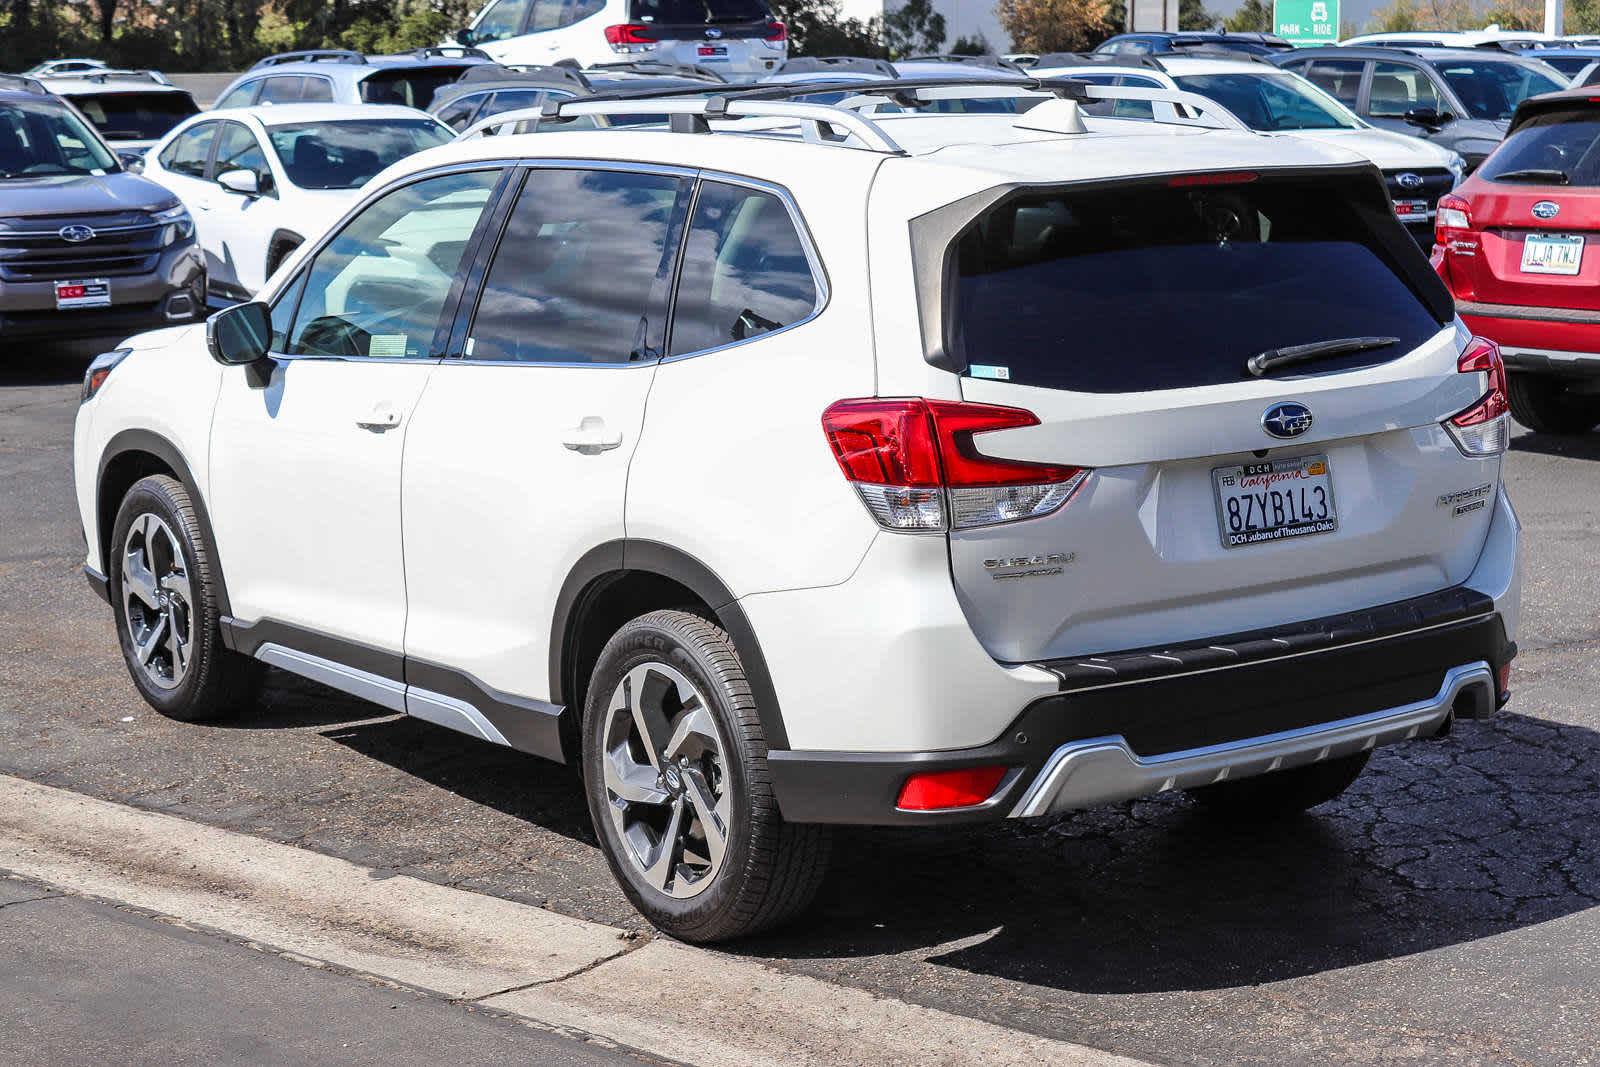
[
  {"x": 1168, "y": 106},
  {"x": 23, "y": 84},
  {"x": 313, "y": 55},
  {"x": 1215, "y": 50},
  {"x": 446, "y": 51},
  {"x": 841, "y": 64},
  {"x": 656, "y": 66},
  {"x": 531, "y": 74},
  {"x": 976, "y": 61},
  {"x": 1096, "y": 59}
]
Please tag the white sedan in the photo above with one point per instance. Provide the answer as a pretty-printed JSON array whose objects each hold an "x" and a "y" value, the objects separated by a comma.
[{"x": 260, "y": 181}]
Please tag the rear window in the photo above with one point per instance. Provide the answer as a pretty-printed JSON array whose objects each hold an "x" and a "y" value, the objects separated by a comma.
[
  {"x": 1555, "y": 148},
  {"x": 134, "y": 116},
  {"x": 696, "y": 12},
  {"x": 1492, "y": 90},
  {"x": 409, "y": 86},
  {"x": 1136, "y": 288}
]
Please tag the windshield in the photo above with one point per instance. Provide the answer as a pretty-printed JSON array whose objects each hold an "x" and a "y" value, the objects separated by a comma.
[
  {"x": 1270, "y": 102},
  {"x": 344, "y": 155},
  {"x": 134, "y": 116},
  {"x": 44, "y": 141},
  {"x": 409, "y": 87},
  {"x": 1491, "y": 89},
  {"x": 1557, "y": 148},
  {"x": 697, "y": 12}
]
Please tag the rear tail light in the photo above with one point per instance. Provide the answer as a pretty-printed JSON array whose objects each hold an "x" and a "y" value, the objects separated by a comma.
[
  {"x": 1452, "y": 226},
  {"x": 940, "y": 790},
  {"x": 916, "y": 466},
  {"x": 630, "y": 37},
  {"x": 1481, "y": 429},
  {"x": 776, "y": 31}
]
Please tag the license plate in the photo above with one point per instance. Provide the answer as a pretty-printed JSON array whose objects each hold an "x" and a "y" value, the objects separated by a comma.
[
  {"x": 1549, "y": 253},
  {"x": 85, "y": 293},
  {"x": 1411, "y": 209},
  {"x": 712, "y": 51},
  {"x": 1274, "y": 500}
]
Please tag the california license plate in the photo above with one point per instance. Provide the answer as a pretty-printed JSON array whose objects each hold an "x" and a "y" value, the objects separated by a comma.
[
  {"x": 1274, "y": 500},
  {"x": 1552, "y": 253},
  {"x": 713, "y": 51},
  {"x": 84, "y": 293}
]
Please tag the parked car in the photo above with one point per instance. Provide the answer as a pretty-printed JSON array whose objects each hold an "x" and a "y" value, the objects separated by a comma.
[
  {"x": 262, "y": 180},
  {"x": 1570, "y": 61},
  {"x": 1513, "y": 246},
  {"x": 738, "y": 38},
  {"x": 1490, "y": 37},
  {"x": 1162, "y": 43},
  {"x": 51, "y": 67},
  {"x": 490, "y": 90},
  {"x": 903, "y": 545},
  {"x": 1271, "y": 100},
  {"x": 1461, "y": 99},
  {"x": 338, "y": 76},
  {"x": 130, "y": 109},
  {"x": 86, "y": 248}
]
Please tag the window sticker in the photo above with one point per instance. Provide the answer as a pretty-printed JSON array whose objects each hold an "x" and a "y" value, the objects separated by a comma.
[
  {"x": 387, "y": 346},
  {"x": 981, "y": 370}
]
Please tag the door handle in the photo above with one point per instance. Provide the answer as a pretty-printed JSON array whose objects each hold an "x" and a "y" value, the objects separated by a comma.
[
  {"x": 590, "y": 437},
  {"x": 382, "y": 417}
]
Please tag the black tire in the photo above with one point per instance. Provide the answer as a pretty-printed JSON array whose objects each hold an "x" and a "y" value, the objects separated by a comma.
[
  {"x": 769, "y": 870},
  {"x": 214, "y": 681},
  {"x": 1543, "y": 404},
  {"x": 1281, "y": 794}
]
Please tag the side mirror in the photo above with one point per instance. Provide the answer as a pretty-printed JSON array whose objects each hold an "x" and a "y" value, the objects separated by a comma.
[
  {"x": 240, "y": 335},
  {"x": 132, "y": 161},
  {"x": 1427, "y": 118},
  {"x": 464, "y": 37},
  {"x": 240, "y": 181}
]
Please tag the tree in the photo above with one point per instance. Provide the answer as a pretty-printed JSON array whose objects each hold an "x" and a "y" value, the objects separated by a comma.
[
  {"x": 1055, "y": 25},
  {"x": 818, "y": 28},
  {"x": 913, "y": 29},
  {"x": 1192, "y": 15},
  {"x": 976, "y": 45},
  {"x": 1253, "y": 16}
]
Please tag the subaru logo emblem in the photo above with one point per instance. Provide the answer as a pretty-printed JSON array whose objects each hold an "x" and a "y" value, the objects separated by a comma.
[
  {"x": 1546, "y": 209},
  {"x": 713, "y": 33},
  {"x": 76, "y": 234},
  {"x": 1287, "y": 420},
  {"x": 1409, "y": 181}
]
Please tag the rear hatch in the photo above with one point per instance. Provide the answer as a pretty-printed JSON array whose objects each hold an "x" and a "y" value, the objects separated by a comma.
[
  {"x": 1216, "y": 501},
  {"x": 134, "y": 118},
  {"x": 732, "y": 37},
  {"x": 1535, "y": 207}
]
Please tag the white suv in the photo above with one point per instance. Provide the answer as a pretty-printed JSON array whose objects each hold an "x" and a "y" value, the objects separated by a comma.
[{"x": 790, "y": 466}]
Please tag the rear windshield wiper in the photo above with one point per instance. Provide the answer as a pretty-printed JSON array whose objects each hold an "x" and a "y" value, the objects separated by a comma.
[
  {"x": 1263, "y": 363},
  {"x": 1536, "y": 176}
]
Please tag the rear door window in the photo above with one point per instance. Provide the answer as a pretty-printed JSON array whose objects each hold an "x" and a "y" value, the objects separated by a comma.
[
  {"x": 188, "y": 152},
  {"x": 239, "y": 150},
  {"x": 315, "y": 90},
  {"x": 500, "y": 20},
  {"x": 1339, "y": 78},
  {"x": 1148, "y": 287},
  {"x": 284, "y": 89},
  {"x": 1397, "y": 88},
  {"x": 408, "y": 86}
]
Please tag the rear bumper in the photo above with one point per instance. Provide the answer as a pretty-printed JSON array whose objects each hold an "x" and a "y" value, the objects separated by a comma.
[{"x": 1539, "y": 340}]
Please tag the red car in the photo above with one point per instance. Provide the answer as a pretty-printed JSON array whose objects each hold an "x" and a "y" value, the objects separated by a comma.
[{"x": 1513, "y": 245}]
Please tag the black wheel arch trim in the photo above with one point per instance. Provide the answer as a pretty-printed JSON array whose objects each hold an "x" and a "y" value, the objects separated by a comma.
[
  {"x": 146, "y": 441},
  {"x": 613, "y": 560},
  {"x": 279, "y": 237}
]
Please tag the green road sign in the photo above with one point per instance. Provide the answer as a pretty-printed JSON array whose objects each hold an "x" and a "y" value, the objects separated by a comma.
[{"x": 1306, "y": 22}]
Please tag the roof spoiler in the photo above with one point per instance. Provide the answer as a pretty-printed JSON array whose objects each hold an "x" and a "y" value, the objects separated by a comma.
[
  {"x": 22, "y": 84},
  {"x": 840, "y": 64},
  {"x": 529, "y": 74},
  {"x": 656, "y": 66}
]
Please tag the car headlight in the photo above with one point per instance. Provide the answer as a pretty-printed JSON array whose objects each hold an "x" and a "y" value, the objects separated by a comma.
[
  {"x": 1457, "y": 167},
  {"x": 179, "y": 225}
]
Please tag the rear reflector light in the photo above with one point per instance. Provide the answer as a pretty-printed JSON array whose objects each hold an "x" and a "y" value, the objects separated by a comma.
[
  {"x": 776, "y": 31},
  {"x": 1235, "y": 177},
  {"x": 1452, "y": 226},
  {"x": 940, "y": 790},
  {"x": 916, "y": 466},
  {"x": 630, "y": 37},
  {"x": 1481, "y": 429}
]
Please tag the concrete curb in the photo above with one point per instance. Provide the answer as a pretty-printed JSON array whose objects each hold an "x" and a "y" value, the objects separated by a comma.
[{"x": 659, "y": 997}]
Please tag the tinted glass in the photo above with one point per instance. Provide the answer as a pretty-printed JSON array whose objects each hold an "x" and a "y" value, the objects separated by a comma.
[
  {"x": 378, "y": 288},
  {"x": 316, "y": 90},
  {"x": 745, "y": 270},
  {"x": 1557, "y": 148},
  {"x": 188, "y": 151},
  {"x": 283, "y": 89},
  {"x": 41, "y": 141},
  {"x": 240, "y": 97},
  {"x": 345, "y": 154},
  {"x": 1397, "y": 88},
  {"x": 511, "y": 100},
  {"x": 134, "y": 116},
  {"x": 410, "y": 87},
  {"x": 696, "y": 12},
  {"x": 1271, "y": 102},
  {"x": 239, "y": 150},
  {"x": 1490, "y": 90},
  {"x": 582, "y": 271},
  {"x": 458, "y": 113},
  {"x": 1568, "y": 64},
  {"x": 1339, "y": 78},
  {"x": 502, "y": 19},
  {"x": 1139, "y": 288}
]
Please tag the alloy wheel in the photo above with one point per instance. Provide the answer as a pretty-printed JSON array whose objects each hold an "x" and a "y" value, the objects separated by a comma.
[{"x": 157, "y": 601}]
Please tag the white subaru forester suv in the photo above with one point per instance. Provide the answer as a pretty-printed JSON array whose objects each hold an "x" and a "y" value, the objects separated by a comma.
[{"x": 788, "y": 465}]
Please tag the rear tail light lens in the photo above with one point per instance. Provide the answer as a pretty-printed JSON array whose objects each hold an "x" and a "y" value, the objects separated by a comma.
[
  {"x": 630, "y": 37},
  {"x": 917, "y": 467},
  {"x": 1452, "y": 226},
  {"x": 1481, "y": 429},
  {"x": 942, "y": 790},
  {"x": 776, "y": 31}
]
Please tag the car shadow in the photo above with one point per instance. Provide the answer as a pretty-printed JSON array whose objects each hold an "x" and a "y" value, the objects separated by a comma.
[
  {"x": 50, "y": 363},
  {"x": 1566, "y": 446}
]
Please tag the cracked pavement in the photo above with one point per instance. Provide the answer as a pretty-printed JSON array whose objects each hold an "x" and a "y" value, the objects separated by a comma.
[{"x": 1443, "y": 910}]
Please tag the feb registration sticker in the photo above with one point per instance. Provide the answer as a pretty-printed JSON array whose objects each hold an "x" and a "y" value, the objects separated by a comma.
[{"x": 86, "y": 293}]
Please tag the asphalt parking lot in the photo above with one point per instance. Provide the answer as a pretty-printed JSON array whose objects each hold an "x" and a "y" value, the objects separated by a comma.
[{"x": 1447, "y": 909}]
